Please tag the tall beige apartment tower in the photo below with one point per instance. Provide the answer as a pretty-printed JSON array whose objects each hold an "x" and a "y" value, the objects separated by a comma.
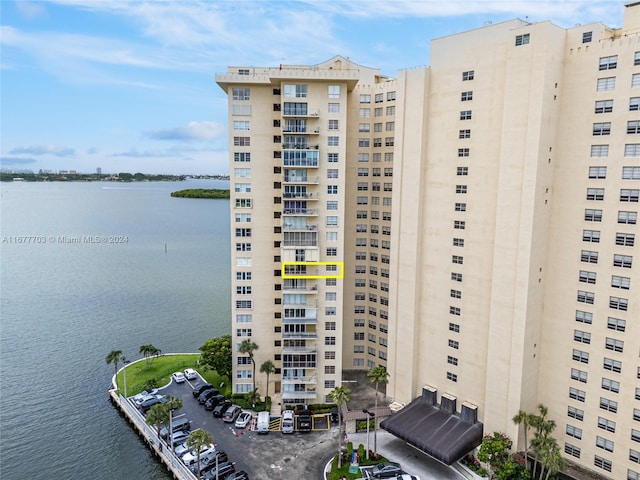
[{"x": 485, "y": 208}]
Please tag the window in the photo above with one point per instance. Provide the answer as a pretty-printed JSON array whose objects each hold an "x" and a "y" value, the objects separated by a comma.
[
  {"x": 574, "y": 431},
  {"x": 588, "y": 256},
  {"x": 390, "y": 126},
  {"x": 592, "y": 215},
  {"x": 454, "y": 344},
  {"x": 604, "y": 106},
  {"x": 331, "y": 252},
  {"x": 461, "y": 189},
  {"x": 458, "y": 242},
  {"x": 577, "y": 394},
  {"x": 364, "y": 98},
  {"x": 617, "y": 324},
  {"x": 243, "y": 203},
  {"x": 452, "y": 360},
  {"x": 612, "y": 365},
  {"x": 335, "y": 125},
  {"x": 632, "y": 150},
  {"x": 456, "y": 277},
  {"x": 608, "y": 63},
  {"x": 241, "y": 125},
  {"x": 592, "y": 236},
  {"x": 607, "y": 425},
  {"x": 243, "y": 232},
  {"x": 333, "y": 141},
  {"x": 468, "y": 75},
  {"x": 333, "y": 91},
  {"x": 580, "y": 356},
  {"x": 620, "y": 282},
  {"x": 456, "y": 294},
  {"x": 597, "y": 172},
  {"x": 243, "y": 218},
  {"x": 241, "y": 93},
  {"x": 365, "y": 113},
  {"x": 332, "y": 189},
  {"x": 465, "y": 115},
  {"x": 377, "y": 112},
  {"x": 584, "y": 317},
  {"x": 243, "y": 247},
  {"x": 571, "y": 450},
  {"x": 629, "y": 218},
  {"x": 332, "y": 221},
  {"x": 586, "y": 297},
  {"x": 613, "y": 344},
  {"x": 602, "y": 463},
  {"x": 604, "y": 444},
  {"x": 608, "y": 405},
  {"x": 624, "y": 261},
  {"x": 625, "y": 239},
  {"x": 618, "y": 303},
  {"x": 454, "y": 327},
  {"x": 461, "y": 207},
  {"x": 579, "y": 375},
  {"x": 463, "y": 152},
  {"x": 522, "y": 39},
  {"x": 605, "y": 84},
  {"x": 587, "y": 37},
  {"x": 631, "y": 173},
  {"x": 333, "y": 108},
  {"x": 242, "y": 188},
  {"x": 610, "y": 385},
  {"x": 391, "y": 96},
  {"x": 595, "y": 193},
  {"x": 602, "y": 128},
  {"x": 462, "y": 171},
  {"x": 587, "y": 277},
  {"x": 388, "y": 141},
  {"x": 242, "y": 157},
  {"x": 464, "y": 134},
  {"x": 635, "y": 435},
  {"x": 454, "y": 311},
  {"x": 377, "y": 142},
  {"x": 582, "y": 337},
  {"x": 466, "y": 96},
  {"x": 452, "y": 376},
  {"x": 243, "y": 275},
  {"x": 459, "y": 224},
  {"x": 244, "y": 304},
  {"x": 576, "y": 413},
  {"x": 635, "y": 80},
  {"x": 634, "y": 456},
  {"x": 629, "y": 195}
]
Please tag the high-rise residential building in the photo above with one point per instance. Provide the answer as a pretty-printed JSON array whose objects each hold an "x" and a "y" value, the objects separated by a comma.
[{"x": 485, "y": 211}]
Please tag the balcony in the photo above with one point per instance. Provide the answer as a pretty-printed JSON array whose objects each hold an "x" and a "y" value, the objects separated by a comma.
[
  {"x": 300, "y": 195},
  {"x": 308, "y": 288},
  {"x": 298, "y": 111},
  {"x": 294, "y": 350},
  {"x": 310, "y": 304},
  {"x": 300, "y": 320},
  {"x": 307, "y": 394},
  {"x": 301, "y": 179},
  {"x": 300, "y": 335},
  {"x": 300, "y": 211},
  {"x": 305, "y": 130},
  {"x": 300, "y": 146},
  {"x": 291, "y": 227},
  {"x": 291, "y": 380}
]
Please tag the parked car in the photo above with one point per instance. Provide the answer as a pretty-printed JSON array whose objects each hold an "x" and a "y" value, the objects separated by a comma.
[
  {"x": 406, "y": 476},
  {"x": 386, "y": 470},
  {"x": 207, "y": 394},
  {"x": 231, "y": 413},
  {"x": 223, "y": 470},
  {"x": 334, "y": 415},
  {"x": 241, "y": 475},
  {"x": 221, "y": 408},
  {"x": 139, "y": 397},
  {"x": 143, "y": 398},
  {"x": 191, "y": 457},
  {"x": 262, "y": 424},
  {"x": 190, "y": 374},
  {"x": 178, "y": 437},
  {"x": 198, "y": 389},
  {"x": 243, "y": 419},
  {"x": 147, "y": 404},
  {"x": 287, "y": 421},
  {"x": 178, "y": 377},
  {"x": 211, "y": 403},
  {"x": 181, "y": 449},
  {"x": 180, "y": 423},
  {"x": 209, "y": 462},
  {"x": 304, "y": 421}
]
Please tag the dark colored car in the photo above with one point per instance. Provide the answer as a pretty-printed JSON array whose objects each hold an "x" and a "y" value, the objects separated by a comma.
[
  {"x": 334, "y": 415},
  {"x": 241, "y": 475},
  {"x": 304, "y": 421},
  {"x": 386, "y": 470},
  {"x": 223, "y": 470},
  {"x": 147, "y": 404},
  {"x": 221, "y": 408},
  {"x": 211, "y": 403},
  {"x": 201, "y": 388},
  {"x": 206, "y": 395},
  {"x": 210, "y": 464}
]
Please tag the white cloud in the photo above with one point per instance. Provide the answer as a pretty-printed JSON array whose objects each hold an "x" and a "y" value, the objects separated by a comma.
[
  {"x": 56, "y": 150},
  {"x": 202, "y": 131}
]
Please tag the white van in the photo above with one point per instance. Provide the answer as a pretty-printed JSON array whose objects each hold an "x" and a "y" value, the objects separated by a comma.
[
  {"x": 287, "y": 421},
  {"x": 262, "y": 424}
]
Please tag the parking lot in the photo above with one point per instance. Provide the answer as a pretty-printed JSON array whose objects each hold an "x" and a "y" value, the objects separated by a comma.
[{"x": 270, "y": 456}]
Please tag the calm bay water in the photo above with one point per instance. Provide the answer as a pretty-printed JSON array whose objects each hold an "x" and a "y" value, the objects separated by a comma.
[{"x": 65, "y": 306}]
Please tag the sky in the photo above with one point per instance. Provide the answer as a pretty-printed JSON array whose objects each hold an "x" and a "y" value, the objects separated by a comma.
[{"x": 129, "y": 86}]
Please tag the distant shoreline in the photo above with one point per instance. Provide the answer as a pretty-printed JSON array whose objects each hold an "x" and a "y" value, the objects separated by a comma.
[
  {"x": 201, "y": 193},
  {"x": 94, "y": 177}
]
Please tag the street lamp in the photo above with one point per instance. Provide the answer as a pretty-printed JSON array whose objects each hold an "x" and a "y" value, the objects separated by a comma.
[
  {"x": 124, "y": 373},
  {"x": 370, "y": 414}
]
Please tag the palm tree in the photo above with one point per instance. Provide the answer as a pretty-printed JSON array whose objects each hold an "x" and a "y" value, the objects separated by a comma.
[
  {"x": 377, "y": 375},
  {"x": 340, "y": 395},
  {"x": 157, "y": 415},
  {"x": 173, "y": 403},
  {"x": 553, "y": 460},
  {"x": 541, "y": 440},
  {"x": 114, "y": 357},
  {"x": 149, "y": 351},
  {"x": 523, "y": 418},
  {"x": 198, "y": 440},
  {"x": 248, "y": 347},
  {"x": 253, "y": 397},
  {"x": 267, "y": 367}
]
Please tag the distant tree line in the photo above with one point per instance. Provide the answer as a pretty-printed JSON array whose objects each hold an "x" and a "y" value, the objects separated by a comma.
[
  {"x": 88, "y": 177},
  {"x": 201, "y": 193}
]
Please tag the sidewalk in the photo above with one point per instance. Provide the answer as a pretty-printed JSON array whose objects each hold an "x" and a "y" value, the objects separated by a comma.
[{"x": 412, "y": 460}]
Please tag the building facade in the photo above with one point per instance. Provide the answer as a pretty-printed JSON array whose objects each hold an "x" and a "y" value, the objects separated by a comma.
[{"x": 485, "y": 208}]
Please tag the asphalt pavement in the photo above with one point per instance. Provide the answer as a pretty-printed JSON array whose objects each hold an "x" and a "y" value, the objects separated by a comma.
[{"x": 275, "y": 456}]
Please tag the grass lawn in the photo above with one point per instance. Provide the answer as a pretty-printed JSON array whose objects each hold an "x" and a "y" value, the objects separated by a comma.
[
  {"x": 338, "y": 474},
  {"x": 160, "y": 370}
]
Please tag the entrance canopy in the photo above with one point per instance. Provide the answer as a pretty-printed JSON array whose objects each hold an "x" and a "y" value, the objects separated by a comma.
[{"x": 435, "y": 429}]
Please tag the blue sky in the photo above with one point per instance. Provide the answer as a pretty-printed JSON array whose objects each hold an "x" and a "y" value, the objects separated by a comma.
[{"x": 129, "y": 86}]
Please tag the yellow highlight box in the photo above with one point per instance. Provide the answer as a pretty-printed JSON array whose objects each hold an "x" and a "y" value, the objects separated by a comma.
[{"x": 339, "y": 274}]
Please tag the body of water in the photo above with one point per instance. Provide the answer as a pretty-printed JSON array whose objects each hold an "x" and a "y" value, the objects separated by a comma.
[{"x": 87, "y": 268}]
